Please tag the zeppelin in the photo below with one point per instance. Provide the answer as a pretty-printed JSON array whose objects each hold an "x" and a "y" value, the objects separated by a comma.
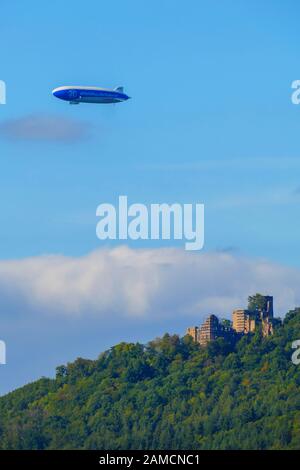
[{"x": 89, "y": 94}]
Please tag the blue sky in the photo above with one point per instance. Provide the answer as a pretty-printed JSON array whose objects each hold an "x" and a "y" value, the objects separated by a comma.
[{"x": 211, "y": 121}]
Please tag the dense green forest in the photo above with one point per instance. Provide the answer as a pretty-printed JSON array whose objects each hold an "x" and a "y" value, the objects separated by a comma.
[{"x": 169, "y": 394}]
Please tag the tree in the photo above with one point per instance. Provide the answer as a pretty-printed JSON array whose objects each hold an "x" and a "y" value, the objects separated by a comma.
[
  {"x": 256, "y": 302},
  {"x": 172, "y": 393}
]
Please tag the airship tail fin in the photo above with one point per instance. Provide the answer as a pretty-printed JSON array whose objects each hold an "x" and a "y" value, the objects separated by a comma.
[{"x": 120, "y": 89}]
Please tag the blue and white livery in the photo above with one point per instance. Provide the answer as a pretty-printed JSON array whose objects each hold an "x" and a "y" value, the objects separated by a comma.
[{"x": 89, "y": 94}]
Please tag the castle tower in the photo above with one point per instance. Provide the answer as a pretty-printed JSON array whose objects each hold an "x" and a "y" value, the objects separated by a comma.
[
  {"x": 269, "y": 306},
  {"x": 239, "y": 320},
  {"x": 193, "y": 331},
  {"x": 242, "y": 321},
  {"x": 209, "y": 330}
]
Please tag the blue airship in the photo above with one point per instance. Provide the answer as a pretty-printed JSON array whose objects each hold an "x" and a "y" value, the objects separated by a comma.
[{"x": 89, "y": 94}]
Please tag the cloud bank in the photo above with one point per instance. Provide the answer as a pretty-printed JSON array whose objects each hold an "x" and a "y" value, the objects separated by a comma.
[
  {"x": 40, "y": 127},
  {"x": 131, "y": 283}
]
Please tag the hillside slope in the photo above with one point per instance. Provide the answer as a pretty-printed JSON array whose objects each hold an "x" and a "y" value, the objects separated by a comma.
[{"x": 168, "y": 395}]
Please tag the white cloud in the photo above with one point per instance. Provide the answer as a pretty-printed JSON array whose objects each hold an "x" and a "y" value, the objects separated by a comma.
[
  {"x": 220, "y": 164},
  {"x": 40, "y": 127},
  {"x": 137, "y": 283},
  {"x": 265, "y": 197}
]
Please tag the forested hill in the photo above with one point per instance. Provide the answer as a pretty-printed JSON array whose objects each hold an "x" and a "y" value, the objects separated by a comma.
[{"x": 170, "y": 394}]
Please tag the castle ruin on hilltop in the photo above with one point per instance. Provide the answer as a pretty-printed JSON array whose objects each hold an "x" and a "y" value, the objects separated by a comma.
[{"x": 259, "y": 315}]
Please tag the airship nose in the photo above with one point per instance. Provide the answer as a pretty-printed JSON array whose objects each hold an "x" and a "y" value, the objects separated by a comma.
[{"x": 58, "y": 93}]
